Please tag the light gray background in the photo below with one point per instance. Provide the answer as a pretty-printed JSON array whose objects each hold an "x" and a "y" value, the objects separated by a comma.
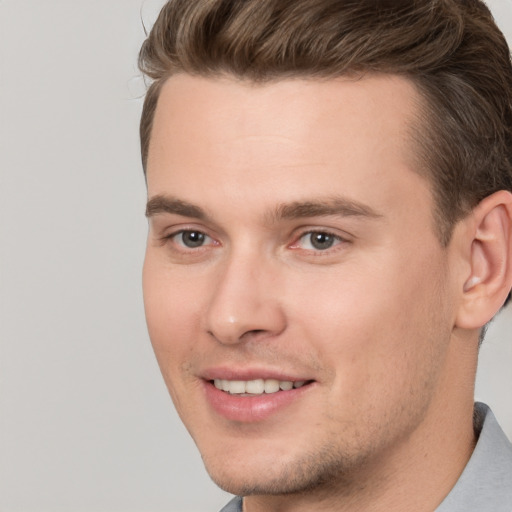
[{"x": 85, "y": 420}]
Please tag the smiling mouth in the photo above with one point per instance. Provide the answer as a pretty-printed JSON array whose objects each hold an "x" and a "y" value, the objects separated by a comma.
[{"x": 256, "y": 387}]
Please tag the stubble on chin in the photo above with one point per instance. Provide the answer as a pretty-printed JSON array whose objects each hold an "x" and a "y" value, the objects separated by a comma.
[
  {"x": 335, "y": 470},
  {"x": 319, "y": 474}
]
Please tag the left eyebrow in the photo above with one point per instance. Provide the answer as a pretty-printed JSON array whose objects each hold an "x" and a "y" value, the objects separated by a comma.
[{"x": 336, "y": 206}]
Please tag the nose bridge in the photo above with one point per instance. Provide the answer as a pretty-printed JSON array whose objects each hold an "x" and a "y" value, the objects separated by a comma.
[{"x": 244, "y": 300}]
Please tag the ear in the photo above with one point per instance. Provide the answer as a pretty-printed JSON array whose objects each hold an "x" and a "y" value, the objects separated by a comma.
[{"x": 489, "y": 247}]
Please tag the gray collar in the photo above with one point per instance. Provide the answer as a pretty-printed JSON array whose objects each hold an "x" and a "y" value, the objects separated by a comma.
[{"x": 486, "y": 482}]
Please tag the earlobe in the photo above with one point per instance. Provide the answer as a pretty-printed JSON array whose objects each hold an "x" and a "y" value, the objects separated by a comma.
[{"x": 490, "y": 255}]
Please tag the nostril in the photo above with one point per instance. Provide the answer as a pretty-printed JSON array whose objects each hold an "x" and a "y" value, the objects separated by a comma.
[
  {"x": 253, "y": 333},
  {"x": 253, "y": 322}
]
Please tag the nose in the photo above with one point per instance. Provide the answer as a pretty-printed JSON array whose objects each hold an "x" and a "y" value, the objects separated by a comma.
[{"x": 245, "y": 304}]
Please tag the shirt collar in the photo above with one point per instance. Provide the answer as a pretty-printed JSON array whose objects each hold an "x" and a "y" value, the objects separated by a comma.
[{"x": 486, "y": 482}]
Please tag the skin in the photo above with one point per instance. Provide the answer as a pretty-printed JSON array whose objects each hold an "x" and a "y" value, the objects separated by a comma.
[{"x": 372, "y": 321}]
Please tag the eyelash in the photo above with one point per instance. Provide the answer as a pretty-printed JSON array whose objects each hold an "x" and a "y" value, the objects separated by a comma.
[
  {"x": 172, "y": 236},
  {"x": 336, "y": 240}
]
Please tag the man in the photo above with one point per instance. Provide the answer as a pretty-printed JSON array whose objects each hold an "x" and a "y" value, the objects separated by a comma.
[{"x": 330, "y": 231}]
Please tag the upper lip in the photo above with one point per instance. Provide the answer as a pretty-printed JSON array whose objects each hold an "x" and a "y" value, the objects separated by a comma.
[{"x": 245, "y": 374}]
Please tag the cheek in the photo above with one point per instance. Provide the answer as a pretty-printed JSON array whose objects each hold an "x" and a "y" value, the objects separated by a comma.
[
  {"x": 168, "y": 296},
  {"x": 172, "y": 316},
  {"x": 372, "y": 326},
  {"x": 172, "y": 313}
]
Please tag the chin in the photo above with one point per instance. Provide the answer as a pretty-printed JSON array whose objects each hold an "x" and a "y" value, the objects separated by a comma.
[{"x": 246, "y": 475}]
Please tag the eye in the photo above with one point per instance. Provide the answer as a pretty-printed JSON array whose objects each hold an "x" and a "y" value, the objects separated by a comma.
[
  {"x": 191, "y": 239},
  {"x": 318, "y": 241}
]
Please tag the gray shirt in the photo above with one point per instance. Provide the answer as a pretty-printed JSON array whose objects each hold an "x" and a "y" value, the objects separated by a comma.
[{"x": 486, "y": 482}]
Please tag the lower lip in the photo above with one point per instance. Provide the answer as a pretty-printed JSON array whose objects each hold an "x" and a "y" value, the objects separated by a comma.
[{"x": 249, "y": 409}]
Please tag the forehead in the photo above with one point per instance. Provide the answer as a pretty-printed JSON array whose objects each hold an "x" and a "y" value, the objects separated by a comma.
[
  {"x": 293, "y": 137},
  {"x": 284, "y": 106}
]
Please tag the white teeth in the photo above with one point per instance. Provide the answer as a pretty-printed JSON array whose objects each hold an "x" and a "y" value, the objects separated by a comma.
[
  {"x": 256, "y": 387},
  {"x": 223, "y": 384},
  {"x": 237, "y": 386},
  {"x": 271, "y": 386}
]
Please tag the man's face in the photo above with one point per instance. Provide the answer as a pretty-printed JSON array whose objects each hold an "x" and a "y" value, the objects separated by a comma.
[{"x": 291, "y": 246}]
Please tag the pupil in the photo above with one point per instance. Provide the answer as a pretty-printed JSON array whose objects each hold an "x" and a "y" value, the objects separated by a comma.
[
  {"x": 321, "y": 240},
  {"x": 193, "y": 238}
]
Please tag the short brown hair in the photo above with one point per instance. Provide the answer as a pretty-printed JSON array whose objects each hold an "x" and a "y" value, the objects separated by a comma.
[{"x": 451, "y": 49}]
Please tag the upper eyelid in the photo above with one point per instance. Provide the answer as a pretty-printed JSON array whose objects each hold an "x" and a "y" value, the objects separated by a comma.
[
  {"x": 172, "y": 230},
  {"x": 324, "y": 231},
  {"x": 177, "y": 232},
  {"x": 167, "y": 222},
  {"x": 304, "y": 232},
  {"x": 294, "y": 237},
  {"x": 332, "y": 232}
]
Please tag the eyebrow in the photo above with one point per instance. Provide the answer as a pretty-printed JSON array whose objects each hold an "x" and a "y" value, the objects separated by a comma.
[
  {"x": 330, "y": 206},
  {"x": 165, "y": 204}
]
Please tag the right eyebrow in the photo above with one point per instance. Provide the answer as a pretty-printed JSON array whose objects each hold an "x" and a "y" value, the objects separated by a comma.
[{"x": 167, "y": 204}]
